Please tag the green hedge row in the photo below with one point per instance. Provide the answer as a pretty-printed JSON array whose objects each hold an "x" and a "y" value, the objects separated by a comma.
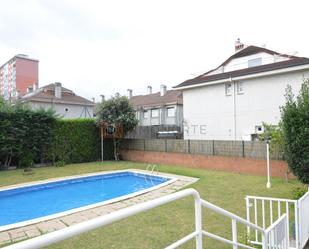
[
  {"x": 28, "y": 137},
  {"x": 25, "y": 136},
  {"x": 76, "y": 140}
]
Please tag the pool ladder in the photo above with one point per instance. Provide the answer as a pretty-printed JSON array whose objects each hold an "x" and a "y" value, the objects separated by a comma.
[{"x": 152, "y": 168}]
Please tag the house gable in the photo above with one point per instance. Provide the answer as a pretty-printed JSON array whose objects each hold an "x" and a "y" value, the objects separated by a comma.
[{"x": 251, "y": 60}]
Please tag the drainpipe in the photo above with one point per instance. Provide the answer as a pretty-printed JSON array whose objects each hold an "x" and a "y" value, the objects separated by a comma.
[{"x": 234, "y": 105}]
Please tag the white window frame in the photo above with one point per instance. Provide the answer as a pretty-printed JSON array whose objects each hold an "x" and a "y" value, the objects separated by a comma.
[
  {"x": 240, "y": 87},
  {"x": 145, "y": 114},
  {"x": 174, "y": 113},
  {"x": 152, "y": 111},
  {"x": 227, "y": 87}
]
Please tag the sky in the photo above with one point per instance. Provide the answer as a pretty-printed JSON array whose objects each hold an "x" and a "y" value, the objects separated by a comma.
[{"x": 104, "y": 47}]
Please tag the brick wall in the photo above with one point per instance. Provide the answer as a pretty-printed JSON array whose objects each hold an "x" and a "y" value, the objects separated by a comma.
[{"x": 231, "y": 164}]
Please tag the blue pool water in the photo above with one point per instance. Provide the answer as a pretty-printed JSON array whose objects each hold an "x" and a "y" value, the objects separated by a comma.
[{"x": 26, "y": 203}]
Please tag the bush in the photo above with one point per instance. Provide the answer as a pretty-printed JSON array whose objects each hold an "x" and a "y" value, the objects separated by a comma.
[
  {"x": 25, "y": 136},
  {"x": 274, "y": 134},
  {"x": 28, "y": 137},
  {"x": 295, "y": 123},
  {"x": 76, "y": 140},
  {"x": 298, "y": 192}
]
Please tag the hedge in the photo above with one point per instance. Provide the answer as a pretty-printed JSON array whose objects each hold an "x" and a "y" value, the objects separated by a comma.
[
  {"x": 28, "y": 137},
  {"x": 76, "y": 140},
  {"x": 25, "y": 135}
]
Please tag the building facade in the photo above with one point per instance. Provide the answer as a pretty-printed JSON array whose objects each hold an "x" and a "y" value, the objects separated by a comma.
[
  {"x": 232, "y": 101},
  {"x": 63, "y": 101},
  {"x": 160, "y": 112},
  {"x": 18, "y": 75}
]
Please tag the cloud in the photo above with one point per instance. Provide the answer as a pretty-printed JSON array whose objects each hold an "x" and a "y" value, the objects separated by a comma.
[{"x": 103, "y": 47}]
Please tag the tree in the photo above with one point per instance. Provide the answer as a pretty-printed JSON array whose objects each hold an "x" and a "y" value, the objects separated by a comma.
[
  {"x": 118, "y": 111},
  {"x": 295, "y": 124},
  {"x": 274, "y": 134}
]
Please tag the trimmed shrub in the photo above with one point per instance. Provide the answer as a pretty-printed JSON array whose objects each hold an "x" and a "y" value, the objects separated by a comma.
[
  {"x": 25, "y": 136},
  {"x": 28, "y": 137},
  {"x": 295, "y": 123},
  {"x": 76, "y": 140}
]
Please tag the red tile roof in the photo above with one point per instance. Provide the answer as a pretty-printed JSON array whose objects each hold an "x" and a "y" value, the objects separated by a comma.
[
  {"x": 156, "y": 100},
  {"x": 47, "y": 94}
]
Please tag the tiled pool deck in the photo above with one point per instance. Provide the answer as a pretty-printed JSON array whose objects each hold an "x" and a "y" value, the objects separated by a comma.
[{"x": 26, "y": 232}]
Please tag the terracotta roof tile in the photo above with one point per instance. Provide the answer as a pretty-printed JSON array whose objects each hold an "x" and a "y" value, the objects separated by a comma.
[
  {"x": 155, "y": 100},
  {"x": 47, "y": 94}
]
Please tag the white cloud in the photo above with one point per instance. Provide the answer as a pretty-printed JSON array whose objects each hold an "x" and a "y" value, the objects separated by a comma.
[{"x": 103, "y": 47}]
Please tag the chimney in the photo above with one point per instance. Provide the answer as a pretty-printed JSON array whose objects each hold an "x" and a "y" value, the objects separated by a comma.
[
  {"x": 58, "y": 90},
  {"x": 162, "y": 90},
  {"x": 238, "y": 45},
  {"x": 29, "y": 89},
  {"x": 102, "y": 98},
  {"x": 129, "y": 93},
  {"x": 35, "y": 86},
  {"x": 149, "y": 89},
  {"x": 93, "y": 99}
]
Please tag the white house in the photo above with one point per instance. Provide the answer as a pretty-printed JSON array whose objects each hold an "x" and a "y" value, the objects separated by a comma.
[
  {"x": 231, "y": 101},
  {"x": 62, "y": 100}
]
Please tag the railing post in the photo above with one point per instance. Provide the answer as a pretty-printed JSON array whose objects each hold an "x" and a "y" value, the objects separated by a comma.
[
  {"x": 198, "y": 223},
  {"x": 297, "y": 232},
  {"x": 234, "y": 233},
  {"x": 248, "y": 213},
  {"x": 264, "y": 240},
  {"x": 287, "y": 238}
]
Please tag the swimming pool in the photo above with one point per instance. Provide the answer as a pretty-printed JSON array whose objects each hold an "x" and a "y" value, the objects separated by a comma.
[{"x": 34, "y": 203}]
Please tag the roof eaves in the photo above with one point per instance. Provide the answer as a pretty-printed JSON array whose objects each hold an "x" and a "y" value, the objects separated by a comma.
[{"x": 196, "y": 82}]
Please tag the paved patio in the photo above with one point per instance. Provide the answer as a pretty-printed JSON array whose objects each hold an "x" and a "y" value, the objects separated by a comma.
[{"x": 26, "y": 232}]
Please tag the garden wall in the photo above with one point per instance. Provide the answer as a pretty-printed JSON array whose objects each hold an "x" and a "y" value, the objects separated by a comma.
[
  {"x": 231, "y": 164},
  {"x": 233, "y": 156}
]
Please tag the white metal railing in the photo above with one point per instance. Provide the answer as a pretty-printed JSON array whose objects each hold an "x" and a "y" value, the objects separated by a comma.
[
  {"x": 277, "y": 234},
  {"x": 86, "y": 226},
  {"x": 274, "y": 234},
  {"x": 263, "y": 211},
  {"x": 303, "y": 209}
]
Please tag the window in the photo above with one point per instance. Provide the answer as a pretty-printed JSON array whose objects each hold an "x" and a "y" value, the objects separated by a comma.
[
  {"x": 228, "y": 88},
  {"x": 240, "y": 88},
  {"x": 258, "y": 129},
  {"x": 171, "y": 111},
  {"x": 255, "y": 62},
  {"x": 145, "y": 114},
  {"x": 155, "y": 113}
]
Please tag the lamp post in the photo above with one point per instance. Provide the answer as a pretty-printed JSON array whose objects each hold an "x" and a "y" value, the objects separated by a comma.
[{"x": 268, "y": 184}]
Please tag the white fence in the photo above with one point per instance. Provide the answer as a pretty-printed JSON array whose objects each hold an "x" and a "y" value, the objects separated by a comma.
[
  {"x": 303, "y": 208},
  {"x": 264, "y": 210},
  {"x": 276, "y": 234},
  {"x": 274, "y": 237}
]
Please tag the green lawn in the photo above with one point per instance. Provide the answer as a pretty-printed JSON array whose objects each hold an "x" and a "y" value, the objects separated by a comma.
[{"x": 161, "y": 226}]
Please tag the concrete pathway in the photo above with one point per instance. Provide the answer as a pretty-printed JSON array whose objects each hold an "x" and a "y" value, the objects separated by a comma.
[{"x": 26, "y": 232}]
